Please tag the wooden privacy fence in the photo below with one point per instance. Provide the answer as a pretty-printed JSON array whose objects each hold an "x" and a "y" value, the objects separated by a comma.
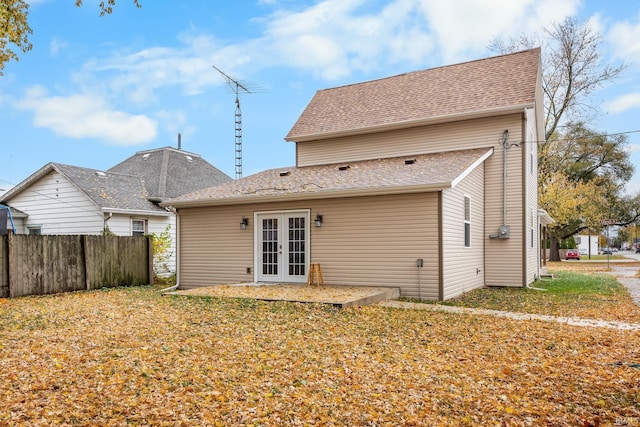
[{"x": 38, "y": 265}]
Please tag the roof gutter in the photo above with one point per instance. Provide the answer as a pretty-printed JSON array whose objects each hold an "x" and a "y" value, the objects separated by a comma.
[
  {"x": 514, "y": 109},
  {"x": 358, "y": 192},
  {"x": 136, "y": 212}
]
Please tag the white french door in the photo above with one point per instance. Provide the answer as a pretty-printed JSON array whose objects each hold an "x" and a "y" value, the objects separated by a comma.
[{"x": 282, "y": 246}]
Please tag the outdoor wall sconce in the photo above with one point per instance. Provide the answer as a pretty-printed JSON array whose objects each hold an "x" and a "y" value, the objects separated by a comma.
[
  {"x": 243, "y": 223},
  {"x": 318, "y": 220}
]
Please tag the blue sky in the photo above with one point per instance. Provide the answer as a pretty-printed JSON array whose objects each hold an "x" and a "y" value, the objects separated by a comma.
[{"x": 94, "y": 90}]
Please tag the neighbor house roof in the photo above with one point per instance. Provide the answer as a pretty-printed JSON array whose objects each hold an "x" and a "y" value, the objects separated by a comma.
[
  {"x": 407, "y": 174},
  {"x": 169, "y": 172},
  {"x": 16, "y": 213},
  {"x": 109, "y": 191},
  {"x": 472, "y": 89},
  {"x": 138, "y": 183}
]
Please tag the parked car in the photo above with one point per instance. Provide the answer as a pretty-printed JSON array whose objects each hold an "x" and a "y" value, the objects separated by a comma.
[
  {"x": 572, "y": 254},
  {"x": 607, "y": 251},
  {"x": 583, "y": 251},
  {"x": 638, "y": 250}
]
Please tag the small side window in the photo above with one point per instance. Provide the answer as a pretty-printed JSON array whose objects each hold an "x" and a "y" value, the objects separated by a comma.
[
  {"x": 467, "y": 222},
  {"x": 36, "y": 230},
  {"x": 138, "y": 227}
]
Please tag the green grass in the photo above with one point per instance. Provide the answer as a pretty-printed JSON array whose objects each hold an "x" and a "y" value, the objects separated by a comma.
[
  {"x": 601, "y": 257},
  {"x": 571, "y": 294}
]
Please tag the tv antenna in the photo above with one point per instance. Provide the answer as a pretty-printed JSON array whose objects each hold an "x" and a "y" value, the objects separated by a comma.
[{"x": 237, "y": 87}]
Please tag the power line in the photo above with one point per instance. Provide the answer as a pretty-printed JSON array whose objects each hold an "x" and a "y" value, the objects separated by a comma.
[{"x": 572, "y": 139}]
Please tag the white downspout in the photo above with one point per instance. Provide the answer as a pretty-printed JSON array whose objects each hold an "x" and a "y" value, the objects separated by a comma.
[{"x": 177, "y": 285}]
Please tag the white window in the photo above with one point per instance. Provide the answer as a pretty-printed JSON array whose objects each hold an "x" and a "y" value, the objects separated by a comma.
[
  {"x": 138, "y": 227},
  {"x": 467, "y": 222},
  {"x": 34, "y": 229},
  {"x": 532, "y": 162},
  {"x": 532, "y": 226}
]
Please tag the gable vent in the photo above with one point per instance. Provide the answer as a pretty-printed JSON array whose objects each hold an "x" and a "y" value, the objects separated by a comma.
[
  {"x": 344, "y": 168},
  {"x": 285, "y": 173},
  {"x": 409, "y": 161}
]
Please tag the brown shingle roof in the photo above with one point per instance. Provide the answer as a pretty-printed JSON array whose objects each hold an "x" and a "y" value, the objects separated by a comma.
[
  {"x": 425, "y": 172},
  {"x": 471, "y": 87}
]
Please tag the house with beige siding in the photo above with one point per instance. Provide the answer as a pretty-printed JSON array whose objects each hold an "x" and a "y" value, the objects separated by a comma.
[{"x": 424, "y": 181}]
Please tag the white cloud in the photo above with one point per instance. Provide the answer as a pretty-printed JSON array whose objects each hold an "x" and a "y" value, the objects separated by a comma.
[
  {"x": 56, "y": 45},
  {"x": 334, "y": 38},
  {"x": 624, "y": 38},
  {"x": 623, "y": 103},
  {"x": 87, "y": 116},
  {"x": 466, "y": 27},
  {"x": 632, "y": 188},
  {"x": 331, "y": 39}
]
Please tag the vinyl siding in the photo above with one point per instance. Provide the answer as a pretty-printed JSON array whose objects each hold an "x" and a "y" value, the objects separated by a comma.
[
  {"x": 463, "y": 267},
  {"x": 504, "y": 262},
  {"x": 530, "y": 161},
  {"x": 461, "y": 135},
  {"x": 213, "y": 249},
  {"x": 59, "y": 207},
  {"x": 365, "y": 241},
  {"x": 120, "y": 225},
  {"x": 18, "y": 223}
]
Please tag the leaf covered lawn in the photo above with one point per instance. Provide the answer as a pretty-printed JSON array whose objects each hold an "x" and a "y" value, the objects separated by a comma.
[{"x": 129, "y": 356}]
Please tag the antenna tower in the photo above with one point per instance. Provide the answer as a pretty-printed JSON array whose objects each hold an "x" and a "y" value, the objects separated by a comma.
[{"x": 236, "y": 87}]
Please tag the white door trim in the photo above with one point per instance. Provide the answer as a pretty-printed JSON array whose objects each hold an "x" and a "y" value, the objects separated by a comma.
[{"x": 283, "y": 275}]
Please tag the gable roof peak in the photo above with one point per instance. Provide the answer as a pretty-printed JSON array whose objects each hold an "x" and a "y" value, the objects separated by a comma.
[
  {"x": 446, "y": 93},
  {"x": 165, "y": 149}
]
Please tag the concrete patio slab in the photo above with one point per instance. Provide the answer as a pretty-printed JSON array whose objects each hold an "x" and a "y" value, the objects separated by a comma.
[{"x": 339, "y": 296}]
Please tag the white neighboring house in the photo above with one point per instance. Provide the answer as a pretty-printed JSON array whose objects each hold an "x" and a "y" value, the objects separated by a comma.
[
  {"x": 587, "y": 244},
  {"x": 64, "y": 199}
]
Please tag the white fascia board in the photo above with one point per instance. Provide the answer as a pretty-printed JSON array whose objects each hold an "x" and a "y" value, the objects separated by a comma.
[
  {"x": 140, "y": 212},
  {"x": 470, "y": 169}
]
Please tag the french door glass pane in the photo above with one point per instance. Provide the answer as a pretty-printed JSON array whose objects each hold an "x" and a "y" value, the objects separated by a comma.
[
  {"x": 270, "y": 246},
  {"x": 296, "y": 246}
]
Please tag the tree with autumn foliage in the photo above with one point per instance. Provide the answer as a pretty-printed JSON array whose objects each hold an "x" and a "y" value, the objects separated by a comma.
[
  {"x": 581, "y": 181},
  {"x": 582, "y": 172},
  {"x": 15, "y": 30}
]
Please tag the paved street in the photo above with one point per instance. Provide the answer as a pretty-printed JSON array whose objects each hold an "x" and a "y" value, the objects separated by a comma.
[{"x": 628, "y": 276}]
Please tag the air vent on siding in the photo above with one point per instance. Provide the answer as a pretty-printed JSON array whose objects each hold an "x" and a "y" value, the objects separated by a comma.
[
  {"x": 285, "y": 173},
  {"x": 409, "y": 161},
  {"x": 344, "y": 167}
]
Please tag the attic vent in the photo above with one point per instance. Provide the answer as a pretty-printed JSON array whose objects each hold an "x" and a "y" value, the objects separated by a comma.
[
  {"x": 101, "y": 174},
  {"x": 344, "y": 168},
  {"x": 285, "y": 173},
  {"x": 409, "y": 161},
  {"x": 146, "y": 156},
  {"x": 189, "y": 159}
]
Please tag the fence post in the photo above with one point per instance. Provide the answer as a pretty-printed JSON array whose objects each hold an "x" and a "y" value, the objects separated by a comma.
[
  {"x": 150, "y": 258},
  {"x": 85, "y": 263},
  {"x": 4, "y": 266}
]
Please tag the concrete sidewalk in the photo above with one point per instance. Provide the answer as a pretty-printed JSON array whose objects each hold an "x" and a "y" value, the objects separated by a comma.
[
  {"x": 575, "y": 321},
  {"x": 623, "y": 274},
  {"x": 627, "y": 277}
]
